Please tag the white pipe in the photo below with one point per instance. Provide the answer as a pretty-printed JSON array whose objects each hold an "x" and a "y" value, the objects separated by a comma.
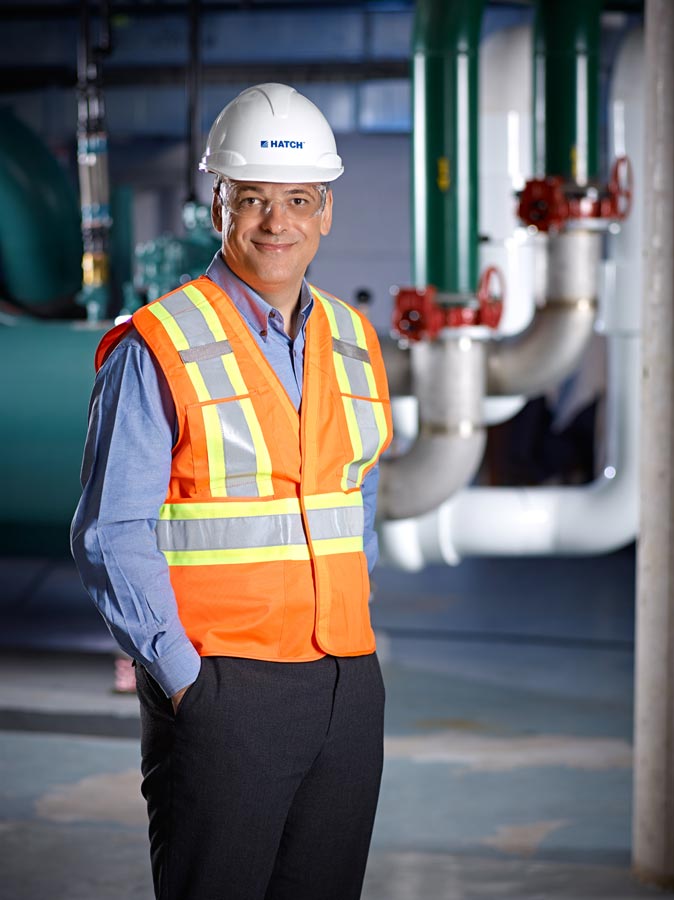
[
  {"x": 551, "y": 348},
  {"x": 499, "y": 409},
  {"x": 589, "y": 519},
  {"x": 448, "y": 377}
]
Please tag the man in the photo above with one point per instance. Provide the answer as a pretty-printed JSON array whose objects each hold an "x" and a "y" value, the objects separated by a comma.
[{"x": 226, "y": 529}]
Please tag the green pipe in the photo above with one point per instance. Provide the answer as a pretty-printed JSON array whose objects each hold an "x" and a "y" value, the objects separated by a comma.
[
  {"x": 566, "y": 89},
  {"x": 444, "y": 148},
  {"x": 50, "y": 368},
  {"x": 40, "y": 238}
]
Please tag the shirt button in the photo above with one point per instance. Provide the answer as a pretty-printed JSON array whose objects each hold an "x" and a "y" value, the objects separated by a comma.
[
  {"x": 272, "y": 314},
  {"x": 263, "y": 333}
]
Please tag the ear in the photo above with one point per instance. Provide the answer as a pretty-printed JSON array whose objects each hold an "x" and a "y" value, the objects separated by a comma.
[
  {"x": 216, "y": 211},
  {"x": 326, "y": 215}
]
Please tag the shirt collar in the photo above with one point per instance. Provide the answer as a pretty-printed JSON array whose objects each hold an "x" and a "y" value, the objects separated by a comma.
[{"x": 255, "y": 310}]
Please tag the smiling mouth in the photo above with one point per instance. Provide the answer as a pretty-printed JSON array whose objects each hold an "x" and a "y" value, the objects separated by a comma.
[{"x": 271, "y": 247}]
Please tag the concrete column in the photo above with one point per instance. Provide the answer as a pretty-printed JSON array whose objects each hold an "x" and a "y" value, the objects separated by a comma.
[{"x": 653, "y": 823}]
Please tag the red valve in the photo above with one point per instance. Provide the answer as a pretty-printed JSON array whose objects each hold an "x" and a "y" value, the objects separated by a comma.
[
  {"x": 415, "y": 314},
  {"x": 543, "y": 203},
  {"x": 549, "y": 202},
  {"x": 491, "y": 302},
  {"x": 418, "y": 314}
]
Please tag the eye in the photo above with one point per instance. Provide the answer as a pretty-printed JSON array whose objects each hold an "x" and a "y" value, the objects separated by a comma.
[
  {"x": 299, "y": 202},
  {"x": 249, "y": 202}
]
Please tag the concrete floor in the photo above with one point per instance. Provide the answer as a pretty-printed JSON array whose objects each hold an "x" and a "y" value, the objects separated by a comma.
[{"x": 508, "y": 738}]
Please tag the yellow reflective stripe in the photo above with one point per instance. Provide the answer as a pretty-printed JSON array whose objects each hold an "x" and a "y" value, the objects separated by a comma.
[
  {"x": 207, "y": 311},
  {"x": 356, "y": 440},
  {"x": 382, "y": 428},
  {"x": 216, "y": 451},
  {"x": 371, "y": 383},
  {"x": 232, "y": 509},
  {"x": 234, "y": 373},
  {"x": 263, "y": 459},
  {"x": 171, "y": 327},
  {"x": 331, "y": 546},
  {"x": 232, "y": 555},
  {"x": 332, "y": 500},
  {"x": 198, "y": 382},
  {"x": 357, "y": 326},
  {"x": 361, "y": 340},
  {"x": 236, "y": 509},
  {"x": 241, "y": 556},
  {"x": 340, "y": 372},
  {"x": 215, "y": 327},
  {"x": 330, "y": 313}
]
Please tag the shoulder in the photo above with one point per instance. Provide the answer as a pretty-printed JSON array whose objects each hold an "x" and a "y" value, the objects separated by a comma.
[{"x": 124, "y": 353}]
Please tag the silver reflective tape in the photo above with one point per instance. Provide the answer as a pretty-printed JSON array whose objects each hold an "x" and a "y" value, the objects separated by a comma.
[
  {"x": 369, "y": 435},
  {"x": 355, "y": 372},
  {"x": 348, "y": 521},
  {"x": 344, "y": 321},
  {"x": 192, "y": 323},
  {"x": 351, "y": 350},
  {"x": 240, "y": 459},
  {"x": 206, "y": 351},
  {"x": 216, "y": 378},
  {"x": 230, "y": 534}
]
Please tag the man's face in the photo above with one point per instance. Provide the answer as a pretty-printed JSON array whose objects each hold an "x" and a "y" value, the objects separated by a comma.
[{"x": 268, "y": 244}]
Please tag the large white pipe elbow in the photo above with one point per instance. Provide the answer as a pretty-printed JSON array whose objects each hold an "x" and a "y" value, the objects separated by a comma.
[
  {"x": 436, "y": 466},
  {"x": 551, "y": 348},
  {"x": 448, "y": 377},
  {"x": 596, "y": 518},
  {"x": 546, "y": 353}
]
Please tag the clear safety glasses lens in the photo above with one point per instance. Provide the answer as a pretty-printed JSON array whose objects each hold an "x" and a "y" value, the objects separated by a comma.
[{"x": 298, "y": 204}]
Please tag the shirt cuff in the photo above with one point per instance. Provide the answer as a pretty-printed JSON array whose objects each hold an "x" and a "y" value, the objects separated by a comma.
[{"x": 177, "y": 669}]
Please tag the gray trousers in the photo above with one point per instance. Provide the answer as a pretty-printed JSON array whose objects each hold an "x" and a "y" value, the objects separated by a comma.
[{"x": 264, "y": 784}]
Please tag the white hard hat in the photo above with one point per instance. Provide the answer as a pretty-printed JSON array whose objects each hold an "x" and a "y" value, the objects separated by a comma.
[{"x": 270, "y": 132}]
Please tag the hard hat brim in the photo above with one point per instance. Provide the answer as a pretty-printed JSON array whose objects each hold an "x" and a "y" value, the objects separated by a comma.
[{"x": 275, "y": 175}]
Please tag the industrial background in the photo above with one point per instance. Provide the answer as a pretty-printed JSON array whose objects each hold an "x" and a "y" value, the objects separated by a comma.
[{"x": 506, "y": 218}]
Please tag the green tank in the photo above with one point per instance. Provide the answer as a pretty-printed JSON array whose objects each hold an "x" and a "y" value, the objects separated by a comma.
[{"x": 48, "y": 372}]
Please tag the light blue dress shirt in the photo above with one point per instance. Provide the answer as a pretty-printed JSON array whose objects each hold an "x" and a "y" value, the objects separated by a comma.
[{"x": 125, "y": 473}]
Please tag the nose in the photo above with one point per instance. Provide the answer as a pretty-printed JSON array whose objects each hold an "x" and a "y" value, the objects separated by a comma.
[{"x": 274, "y": 217}]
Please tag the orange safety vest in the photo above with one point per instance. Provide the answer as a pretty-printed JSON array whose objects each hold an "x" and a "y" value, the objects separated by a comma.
[{"x": 262, "y": 526}]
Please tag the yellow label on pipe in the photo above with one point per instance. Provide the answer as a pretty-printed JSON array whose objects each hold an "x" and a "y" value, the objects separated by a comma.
[
  {"x": 443, "y": 180},
  {"x": 94, "y": 269}
]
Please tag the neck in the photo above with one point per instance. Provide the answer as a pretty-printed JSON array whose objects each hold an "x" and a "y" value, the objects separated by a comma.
[
  {"x": 283, "y": 297},
  {"x": 288, "y": 304}
]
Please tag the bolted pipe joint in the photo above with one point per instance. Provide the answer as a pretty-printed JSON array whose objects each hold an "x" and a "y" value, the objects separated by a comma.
[{"x": 448, "y": 378}]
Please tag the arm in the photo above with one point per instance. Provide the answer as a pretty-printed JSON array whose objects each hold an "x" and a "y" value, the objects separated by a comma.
[{"x": 125, "y": 472}]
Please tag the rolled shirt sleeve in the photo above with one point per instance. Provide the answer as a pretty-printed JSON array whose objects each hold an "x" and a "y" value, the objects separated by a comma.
[{"x": 125, "y": 473}]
